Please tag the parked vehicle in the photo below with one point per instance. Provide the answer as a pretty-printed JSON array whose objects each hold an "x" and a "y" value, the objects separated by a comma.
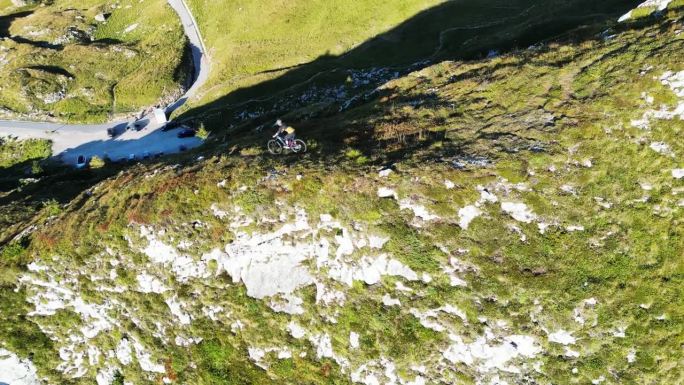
[
  {"x": 111, "y": 132},
  {"x": 187, "y": 133},
  {"x": 135, "y": 126},
  {"x": 81, "y": 161}
]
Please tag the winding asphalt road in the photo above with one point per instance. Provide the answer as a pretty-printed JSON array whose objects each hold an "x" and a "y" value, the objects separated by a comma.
[{"x": 70, "y": 141}]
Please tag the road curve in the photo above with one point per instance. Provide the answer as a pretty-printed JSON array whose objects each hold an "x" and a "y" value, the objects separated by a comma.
[
  {"x": 71, "y": 140},
  {"x": 200, "y": 57}
]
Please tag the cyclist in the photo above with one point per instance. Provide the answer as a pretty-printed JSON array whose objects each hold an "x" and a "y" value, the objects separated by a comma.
[{"x": 287, "y": 133}]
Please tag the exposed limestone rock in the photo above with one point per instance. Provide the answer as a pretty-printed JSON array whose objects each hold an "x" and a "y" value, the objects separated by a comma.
[{"x": 15, "y": 371}]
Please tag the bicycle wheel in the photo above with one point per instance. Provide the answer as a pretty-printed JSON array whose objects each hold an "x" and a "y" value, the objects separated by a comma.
[
  {"x": 299, "y": 146},
  {"x": 274, "y": 147}
]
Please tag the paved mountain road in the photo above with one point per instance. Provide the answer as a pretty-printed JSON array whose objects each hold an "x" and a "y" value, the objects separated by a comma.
[{"x": 71, "y": 140}]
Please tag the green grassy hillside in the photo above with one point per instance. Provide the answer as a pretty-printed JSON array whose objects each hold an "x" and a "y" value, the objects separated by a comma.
[
  {"x": 60, "y": 62},
  {"x": 529, "y": 231},
  {"x": 262, "y": 51},
  {"x": 256, "y": 41}
]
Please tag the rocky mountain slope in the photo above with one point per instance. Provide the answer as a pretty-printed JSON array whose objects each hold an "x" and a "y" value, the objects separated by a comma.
[{"x": 508, "y": 220}]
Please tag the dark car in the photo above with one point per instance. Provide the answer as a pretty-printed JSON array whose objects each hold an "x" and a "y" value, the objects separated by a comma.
[
  {"x": 171, "y": 126},
  {"x": 135, "y": 126},
  {"x": 187, "y": 133},
  {"x": 111, "y": 132},
  {"x": 81, "y": 161}
]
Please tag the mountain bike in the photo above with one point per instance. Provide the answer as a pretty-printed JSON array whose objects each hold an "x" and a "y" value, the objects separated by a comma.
[{"x": 277, "y": 145}]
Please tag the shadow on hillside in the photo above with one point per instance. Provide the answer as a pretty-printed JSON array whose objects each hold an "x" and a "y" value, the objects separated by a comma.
[
  {"x": 25, "y": 187},
  {"x": 52, "y": 70},
  {"x": 104, "y": 42},
  {"x": 37, "y": 43},
  {"x": 7, "y": 20},
  {"x": 81, "y": 36},
  {"x": 528, "y": 22},
  {"x": 6, "y": 23},
  {"x": 186, "y": 73},
  {"x": 456, "y": 30},
  {"x": 10, "y": 177}
]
